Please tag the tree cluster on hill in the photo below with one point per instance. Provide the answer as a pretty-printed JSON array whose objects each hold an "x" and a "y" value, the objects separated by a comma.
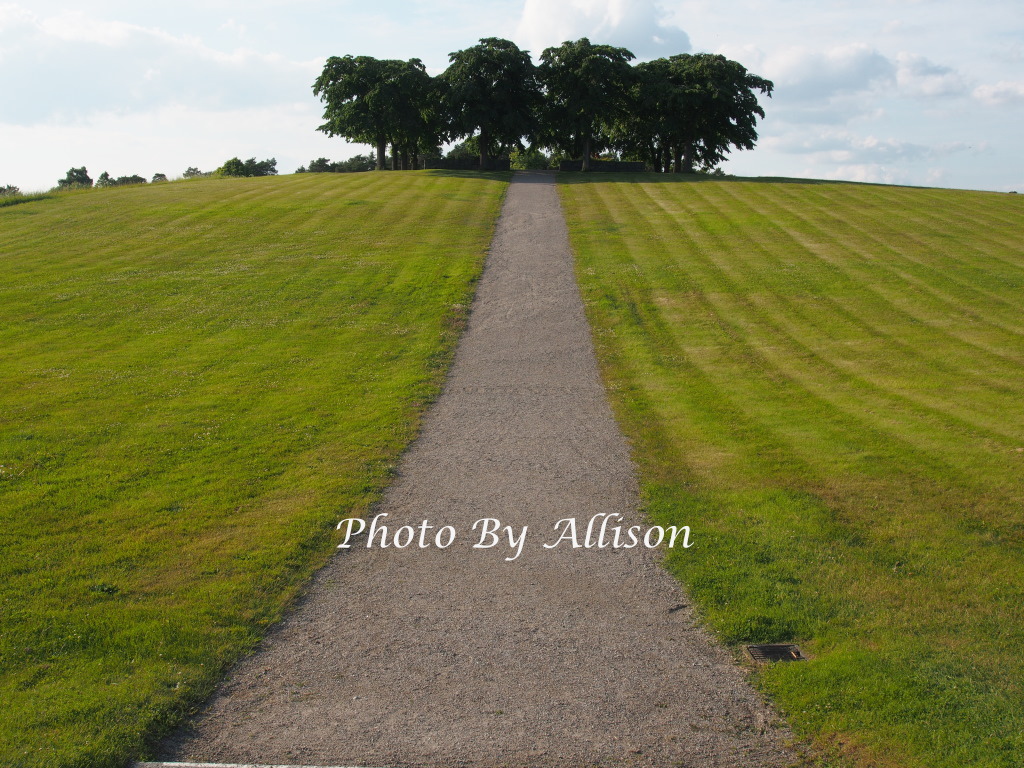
[
  {"x": 106, "y": 180},
  {"x": 683, "y": 112},
  {"x": 352, "y": 165},
  {"x": 76, "y": 178},
  {"x": 250, "y": 167}
]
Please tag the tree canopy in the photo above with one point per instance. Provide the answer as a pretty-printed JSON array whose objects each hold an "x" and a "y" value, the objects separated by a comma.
[
  {"x": 75, "y": 178},
  {"x": 587, "y": 92},
  {"x": 682, "y": 112},
  {"x": 352, "y": 165},
  {"x": 250, "y": 167},
  {"x": 491, "y": 88},
  {"x": 377, "y": 102},
  {"x": 106, "y": 180}
]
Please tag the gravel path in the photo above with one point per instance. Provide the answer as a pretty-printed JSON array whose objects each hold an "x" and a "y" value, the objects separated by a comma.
[{"x": 460, "y": 656}]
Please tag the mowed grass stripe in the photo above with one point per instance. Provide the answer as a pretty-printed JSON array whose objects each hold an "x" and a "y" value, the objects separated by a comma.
[
  {"x": 842, "y": 261},
  {"x": 761, "y": 357},
  {"x": 910, "y": 337},
  {"x": 773, "y": 334},
  {"x": 910, "y": 252},
  {"x": 773, "y": 337},
  {"x": 197, "y": 380},
  {"x": 886, "y": 271},
  {"x": 847, "y": 489},
  {"x": 891, "y": 328}
]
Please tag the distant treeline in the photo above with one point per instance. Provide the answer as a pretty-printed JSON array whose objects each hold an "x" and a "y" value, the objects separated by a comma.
[
  {"x": 684, "y": 112},
  {"x": 465, "y": 154},
  {"x": 79, "y": 178}
]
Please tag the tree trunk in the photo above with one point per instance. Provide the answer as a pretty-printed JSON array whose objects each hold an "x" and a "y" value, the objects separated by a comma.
[
  {"x": 382, "y": 152},
  {"x": 688, "y": 159},
  {"x": 485, "y": 161},
  {"x": 394, "y": 157},
  {"x": 405, "y": 160},
  {"x": 586, "y": 154},
  {"x": 666, "y": 158},
  {"x": 415, "y": 160},
  {"x": 677, "y": 160},
  {"x": 656, "y": 158}
]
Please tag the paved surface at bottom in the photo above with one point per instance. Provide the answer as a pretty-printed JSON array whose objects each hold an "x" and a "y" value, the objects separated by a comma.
[{"x": 460, "y": 656}]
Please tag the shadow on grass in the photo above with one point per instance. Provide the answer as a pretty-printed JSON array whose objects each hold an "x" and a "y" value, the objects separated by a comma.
[{"x": 493, "y": 175}]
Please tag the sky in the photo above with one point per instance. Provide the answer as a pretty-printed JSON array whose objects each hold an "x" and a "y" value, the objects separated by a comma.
[{"x": 920, "y": 92}]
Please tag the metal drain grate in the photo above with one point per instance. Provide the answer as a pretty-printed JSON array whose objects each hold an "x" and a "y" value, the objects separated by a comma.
[{"x": 765, "y": 654}]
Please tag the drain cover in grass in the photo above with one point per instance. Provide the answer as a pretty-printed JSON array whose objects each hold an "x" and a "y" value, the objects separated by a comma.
[{"x": 764, "y": 654}]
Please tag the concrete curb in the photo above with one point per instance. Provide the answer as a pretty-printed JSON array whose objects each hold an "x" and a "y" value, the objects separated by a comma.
[{"x": 228, "y": 765}]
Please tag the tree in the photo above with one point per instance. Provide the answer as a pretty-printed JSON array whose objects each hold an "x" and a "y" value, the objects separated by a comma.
[
  {"x": 730, "y": 108},
  {"x": 587, "y": 91},
  {"x": 642, "y": 132},
  {"x": 465, "y": 150},
  {"x": 377, "y": 102},
  {"x": 158, "y": 177},
  {"x": 352, "y": 165},
  {"x": 105, "y": 180},
  {"x": 192, "y": 173},
  {"x": 716, "y": 109},
  {"x": 250, "y": 167},
  {"x": 529, "y": 159},
  {"x": 320, "y": 165},
  {"x": 76, "y": 178},
  {"x": 9, "y": 191},
  {"x": 491, "y": 88},
  {"x": 417, "y": 124}
]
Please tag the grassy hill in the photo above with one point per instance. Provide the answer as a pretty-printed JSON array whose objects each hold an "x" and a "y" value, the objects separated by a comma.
[
  {"x": 826, "y": 381},
  {"x": 197, "y": 380}
]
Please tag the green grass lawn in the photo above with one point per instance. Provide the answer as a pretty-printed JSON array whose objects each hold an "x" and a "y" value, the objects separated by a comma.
[
  {"x": 197, "y": 380},
  {"x": 826, "y": 381}
]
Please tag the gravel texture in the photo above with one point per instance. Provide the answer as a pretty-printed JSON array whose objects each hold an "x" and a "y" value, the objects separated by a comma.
[{"x": 460, "y": 656}]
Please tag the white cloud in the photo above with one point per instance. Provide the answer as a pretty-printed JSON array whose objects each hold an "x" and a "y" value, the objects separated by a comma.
[
  {"x": 93, "y": 65},
  {"x": 1003, "y": 92},
  {"x": 638, "y": 25},
  {"x": 866, "y": 172},
  {"x": 848, "y": 149},
  {"x": 12, "y": 15},
  {"x": 917, "y": 76},
  {"x": 843, "y": 147},
  {"x": 854, "y": 82},
  {"x": 75, "y": 26},
  {"x": 809, "y": 75}
]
